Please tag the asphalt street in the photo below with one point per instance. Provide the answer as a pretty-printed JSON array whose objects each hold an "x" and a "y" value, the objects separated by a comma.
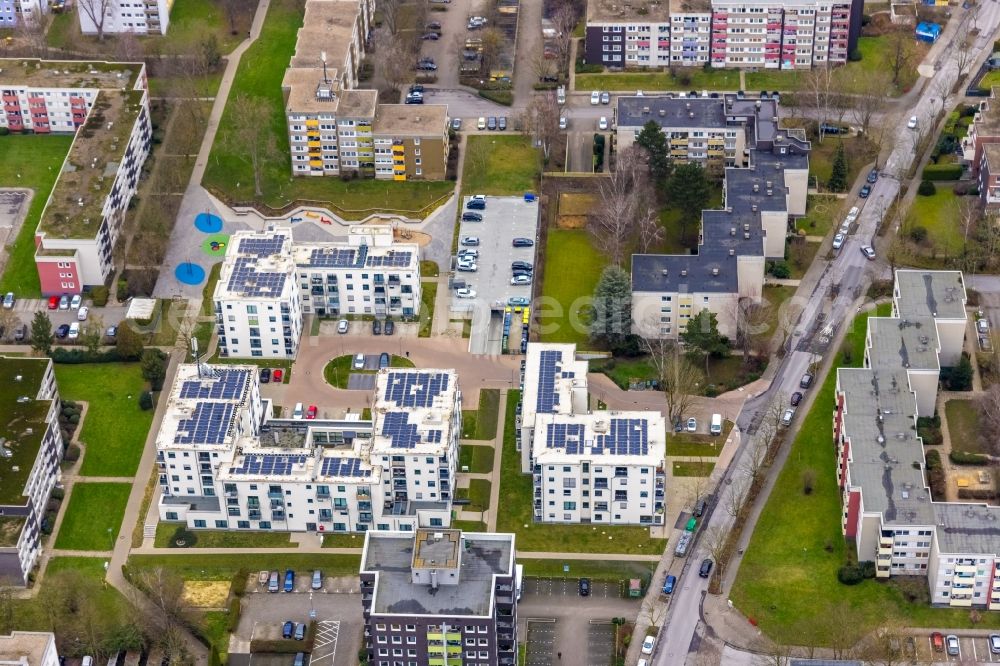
[{"x": 852, "y": 272}]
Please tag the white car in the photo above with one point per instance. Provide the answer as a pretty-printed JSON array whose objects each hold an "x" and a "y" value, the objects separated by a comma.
[
  {"x": 81, "y": 314},
  {"x": 8, "y": 300},
  {"x": 786, "y": 418},
  {"x": 74, "y": 330},
  {"x": 359, "y": 361},
  {"x": 853, "y": 212},
  {"x": 465, "y": 292},
  {"x": 521, "y": 279},
  {"x": 869, "y": 252},
  {"x": 692, "y": 425},
  {"x": 75, "y": 302},
  {"x": 913, "y": 123},
  {"x": 470, "y": 240},
  {"x": 468, "y": 255},
  {"x": 838, "y": 241},
  {"x": 647, "y": 644},
  {"x": 602, "y": 124},
  {"x": 563, "y": 122},
  {"x": 478, "y": 197},
  {"x": 342, "y": 326},
  {"x": 467, "y": 267},
  {"x": 595, "y": 98},
  {"x": 481, "y": 124}
]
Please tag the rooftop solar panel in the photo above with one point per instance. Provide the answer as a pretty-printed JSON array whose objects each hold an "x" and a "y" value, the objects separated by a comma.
[
  {"x": 390, "y": 259},
  {"x": 348, "y": 467},
  {"x": 262, "y": 247},
  {"x": 624, "y": 437},
  {"x": 415, "y": 389},
  {"x": 246, "y": 280},
  {"x": 226, "y": 385},
  {"x": 334, "y": 258},
  {"x": 547, "y": 397},
  {"x": 209, "y": 424},
  {"x": 397, "y": 427},
  {"x": 268, "y": 464}
]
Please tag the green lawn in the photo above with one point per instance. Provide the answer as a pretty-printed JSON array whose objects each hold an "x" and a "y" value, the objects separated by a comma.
[
  {"x": 692, "y": 468},
  {"x": 800, "y": 257},
  {"x": 857, "y": 150},
  {"x": 501, "y": 165},
  {"x": 938, "y": 214},
  {"x": 94, "y": 509},
  {"x": 607, "y": 570},
  {"x": 469, "y": 526},
  {"x": 822, "y": 214},
  {"x": 339, "y": 369},
  {"x": 697, "y": 444},
  {"x": 221, "y": 538},
  {"x": 572, "y": 269},
  {"x": 428, "y": 296},
  {"x": 679, "y": 238},
  {"x": 429, "y": 268},
  {"x": 259, "y": 75},
  {"x": 787, "y": 581},
  {"x": 991, "y": 79},
  {"x": 478, "y": 458},
  {"x": 33, "y": 162},
  {"x": 478, "y": 494},
  {"x": 516, "y": 491},
  {"x": 690, "y": 78},
  {"x": 963, "y": 426},
  {"x": 482, "y": 423},
  {"x": 222, "y": 567},
  {"x": 625, "y": 371},
  {"x": 114, "y": 429}
]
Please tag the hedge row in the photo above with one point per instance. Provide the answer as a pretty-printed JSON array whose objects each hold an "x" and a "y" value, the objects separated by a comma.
[
  {"x": 963, "y": 458},
  {"x": 935, "y": 475},
  {"x": 942, "y": 172},
  {"x": 77, "y": 356},
  {"x": 977, "y": 494}
]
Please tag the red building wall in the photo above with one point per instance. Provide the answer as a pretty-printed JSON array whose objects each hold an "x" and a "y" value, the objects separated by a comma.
[{"x": 52, "y": 277}]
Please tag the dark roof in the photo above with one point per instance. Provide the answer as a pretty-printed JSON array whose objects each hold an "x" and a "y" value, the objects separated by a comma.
[{"x": 671, "y": 112}]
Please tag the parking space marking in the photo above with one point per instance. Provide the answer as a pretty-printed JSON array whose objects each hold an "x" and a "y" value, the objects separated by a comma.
[
  {"x": 325, "y": 645},
  {"x": 541, "y": 641}
]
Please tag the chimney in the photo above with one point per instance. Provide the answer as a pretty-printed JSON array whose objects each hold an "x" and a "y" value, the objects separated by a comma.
[
  {"x": 746, "y": 227},
  {"x": 664, "y": 272},
  {"x": 753, "y": 208}
]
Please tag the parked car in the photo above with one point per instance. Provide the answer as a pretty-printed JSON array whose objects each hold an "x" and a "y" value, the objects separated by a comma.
[
  {"x": 912, "y": 123},
  {"x": 786, "y": 418},
  {"x": 81, "y": 314},
  {"x": 289, "y": 580},
  {"x": 8, "y": 300},
  {"x": 433, "y": 25},
  {"x": 297, "y": 413},
  {"x": 869, "y": 252},
  {"x": 64, "y": 302},
  {"x": 595, "y": 98},
  {"x": 272, "y": 582},
  {"x": 300, "y": 657},
  {"x": 796, "y": 399},
  {"x": 359, "y": 361},
  {"x": 838, "y": 241},
  {"x": 602, "y": 123},
  {"x": 20, "y": 333},
  {"x": 470, "y": 241},
  {"x": 865, "y": 191},
  {"x": 692, "y": 424},
  {"x": 952, "y": 645},
  {"x": 983, "y": 325},
  {"x": 383, "y": 360},
  {"x": 277, "y": 375},
  {"x": 265, "y": 375},
  {"x": 518, "y": 301},
  {"x": 311, "y": 412},
  {"x": 376, "y": 327},
  {"x": 700, "y": 507},
  {"x": 995, "y": 643},
  {"x": 413, "y": 99},
  {"x": 647, "y": 644},
  {"x": 432, "y": 36},
  {"x": 75, "y": 302},
  {"x": 706, "y": 568},
  {"x": 465, "y": 292},
  {"x": 584, "y": 587},
  {"x": 563, "y": 122},
  {"x": 468, "y": 253},
  {"x": 300, "y": 631},
  {"x": 669, "y": 584},
  {"x": 476, "y": 204},
  {"x": 471, "y": 217},
  {"x": 937, "y": 641},
  {"x": 827, "y": 128},
  {"x": 287, "y": 629},
  {"x": 456, "y": 124},
  {"x": 806, "y": 381},
  {"x": 502, "y": 123},
  {"x": 481, "y": 124},
  {"x": 62, "y": 331},
  {"x": 389, "y": 327},
  {"x": 520, "y": 279},
  {"x": 342, "y": 326},
  {"x": 53, "y": 302},
  {"x": 873, "y": 176},
  {"x": 521, "y": 266},
  {"x": 465, "y": 267},
  {"x": 522, "y": 242},
  {"x": 491, "y": 123}
]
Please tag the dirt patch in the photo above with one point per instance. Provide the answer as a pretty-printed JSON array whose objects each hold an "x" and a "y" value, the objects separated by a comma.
[
  {"x": 410, "y": 236},
  {"x": 574, "y": 207},
  {"x": 206, "y": 593}
]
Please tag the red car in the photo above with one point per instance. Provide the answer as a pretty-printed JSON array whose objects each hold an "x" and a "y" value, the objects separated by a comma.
[
  {"x": 311, "y": 412},
  {"x": 276, "y": 376},
  {"x": 53, "y": 302}
]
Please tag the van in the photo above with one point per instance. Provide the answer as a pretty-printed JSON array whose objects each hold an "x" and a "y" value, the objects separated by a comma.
[
  {"x": 669, "y": 583},
  {"x": 561, "y": 95},
  {"x": 297, "y": 412},
  {"x": 272, "y": 582},
  {"x": 807, "y": 380},
  {"x": 87, "y": 661},
  {"x": 682, "y": 544},
  {"x": 716, "y": 427},
  {"x": 706, "y": 568}
]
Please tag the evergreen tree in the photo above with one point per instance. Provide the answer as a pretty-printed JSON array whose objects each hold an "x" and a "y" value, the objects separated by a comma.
[
  {"x": 838, "y": 176},
  {"x": 654, "y": 141},
  {"x": 41, "y": 333},
  {"x": 612, "y": 320},
  {"x": 701, "y": 336},
  {"x": 688, "y": 190},
  {"x": 128, "y": 343}
]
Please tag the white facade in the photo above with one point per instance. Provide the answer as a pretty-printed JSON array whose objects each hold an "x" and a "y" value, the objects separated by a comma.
[
  {"x": 570, "y": 383},
  {"x": 142, "y": 17},
  {"x": 225, "y": 464},
  {"x": 29, "y": 648},
  {"x": 16, "y": 12},
  {"x": 690, "y": 38}
]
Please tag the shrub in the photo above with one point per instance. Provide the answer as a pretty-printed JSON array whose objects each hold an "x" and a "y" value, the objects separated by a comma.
[
  {"x": 588, "y": 69},
  {"x": 918, "y": 234},
  {"x": 942, "y": 172},
  {"x": 504, "y": 97},
  {"x": 964, "y": 458},
  {"x": 4, "y": 131},
  {"x": 72, "y": 453},
  {"x": 854, "y": 56},
  {"x": 926, "y": 189},
  {"x": 233, "y": 621},
  {"x": 99, "y": 295},
  {"x": 977, "y": 494},
  {"x": 935, "y": 475},
  {"x": 781, "y": 270},
  {"x": 238, "y": 586},
  {"x": 58, "y": 494},
  {"x": 850, "y": 574},
  {"x": 145, "y": 401},
  {"x": 867, "y": 568}
]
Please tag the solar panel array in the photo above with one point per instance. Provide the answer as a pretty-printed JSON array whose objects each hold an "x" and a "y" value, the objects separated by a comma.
[
  {"x": 415, "y": 389},
  {"x": 392, "y": 258},
  {"x": 208, "y": 424},
  {"x": 548, "y": 370},
  {"x": 246, "y": 280},
  {"x": 344, "y": 467},
  {"x": 566, "y": 435},
  {"x": 262, "y": 247},
  {"x": 397, "y": 427},
  {"x": 268, "y": 464},
  {"x": 227, "y": 385},
  {"x": 626, "y": 437},
  {"x": 334, "y": 258}
]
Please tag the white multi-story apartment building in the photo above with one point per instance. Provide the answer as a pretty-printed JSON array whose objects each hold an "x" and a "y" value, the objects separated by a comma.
[
  {"x": 29, "y": 648},
  {"x": 141, "y": 17},
  {"x": 225, "y": 463},
  {"x": 31, "y": 447},
  {"x": 109, "y": 104},
  {"x": 267, "y": 282},
  {"x": 258, "y": 310},
  {"x": 587, "y": 467},
  {"x": 766, "y": 179},
  {"x": 19, "y": 12},
  {"x": 771, "y": 34},
  {"x": 888, "y": 514}
]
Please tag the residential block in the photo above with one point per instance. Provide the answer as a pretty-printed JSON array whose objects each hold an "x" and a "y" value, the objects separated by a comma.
[
  {"x": 15, "y": 13},
  {"x": 140, "y": 17}
]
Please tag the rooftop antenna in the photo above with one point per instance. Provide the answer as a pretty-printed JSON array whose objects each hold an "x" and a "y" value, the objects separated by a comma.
[{"x": 322, "y": 56}]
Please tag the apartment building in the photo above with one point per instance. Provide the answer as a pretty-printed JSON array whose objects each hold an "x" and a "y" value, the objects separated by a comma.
[
  {"x": 889, "y": 516},
  {"x": 19, "y": 12},
  {"x": 106, "y": 105},
  {"x": 31, "y": 447},
  {"x": 258, "y": 309},
  {"x": 29, "y": 648},
  {"x": 334, "y": 127},
  {"x": 587, "y": 467},
  {"x": 769, "y": 34},
  {"x": 989, "y": 174},
  {"x": 980, "y": 148},
  {"x": 267, "y": 283},
  {"x": 141, "y": 17},
  {"x": 439, "y": 596},
  {"x": 226, "y": 463},
  {"x": 766, "y": 179}
]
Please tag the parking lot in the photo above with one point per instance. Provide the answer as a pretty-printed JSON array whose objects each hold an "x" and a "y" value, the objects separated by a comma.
[
  {"x": 972, "y": 649},
  {"x": 563, "y": 587},
  {"x": 504, "y": 219},
  {"x": 541, "y": 637},
  {"x": 25, "y": 308}
]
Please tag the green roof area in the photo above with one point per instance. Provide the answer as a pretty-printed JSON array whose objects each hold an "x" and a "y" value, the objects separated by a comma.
[
  {"x": 74, "y": 209},
  {"x": 67, "y": 73},
  {"x": 10, "y": 530},
  {"x": 17, "y": 417}
]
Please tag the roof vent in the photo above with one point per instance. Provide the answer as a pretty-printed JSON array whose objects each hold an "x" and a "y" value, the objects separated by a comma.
[
  {"x": 663, "y": 112},
  {"x": 732, "y": 252},
  {"x": 664, "y": 272},
  {"x": 753, "y": 208},
  {"x": 715, "y": 271},
  {"x": 691, "y": 114},
  {"x": 687, "y": 105},
  {"x": 770, "y": 192},
  {"x": 769, "y": 184},
  {"x": 746, "y": 235},
  {"x": 756, "y": 187},
  {"x": 684, "y": 272},
  {"x": 732, "y": 231},
  {"x": 645, "y": 110},
  {"x": 746, "y": 227}
]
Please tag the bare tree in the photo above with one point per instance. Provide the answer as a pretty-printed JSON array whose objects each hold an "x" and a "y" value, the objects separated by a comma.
[
  {"x": 719, "y": 547},
  {"x": 870, "y": 99},
  {"x": 165, "y": 615},
  {"x": 393, "y": 59},
  {"x": 819, "y": 85},
  {"x": 770, "y": 653},
  {"x": 620, "y": 195},
  {"x": 752, "y": 318},
  {"x": 757, "y": 452},
  {"x": 544, "y": 68},
  {"x": 98, "y": 11},
  {"x": 390, "y": 14},
  {"x": 564, "y": 20},
  {"x": 492, "y": 45},
  {"x": 679, "y": 378},
  {"x": 963, "y": 42},
  {"x": 31, "y": 31},
  {"x": 251, "y": 136},
  {"x": 884, "y": 647},
  {"x": 237, "y": 11},
  {"x": 541, "y": 120},
  {"x": 648, "y": 226},
  {"x": 989, "y": 416},
  {"x": 8, "y": 320},
  {"x": 127, "y": 47},
  {"x": 92, "y": 334},
  {"x": 899, "y": 53},
  {"x": 739, "y": 491}
]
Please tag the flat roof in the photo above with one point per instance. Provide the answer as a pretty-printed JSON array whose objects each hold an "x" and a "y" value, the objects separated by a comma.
[
  {"x": 551, "y": 373},
  {"x": 75, "y": 207},
  {"x": 23, "y": 424},
  {"x": 622, "y": 11},
  {"x": 480, "y": 558},
  {"x": 988, "y": 122},
  {"x": 328, "y": 26},
  {"x": 413, "y": 411},
  {"x": 992, "y": 153},
  {"x": 939, "y": 294},
  {"x": 205, "y": 406},
  {"x": 411, "y": 120},
  {"x": 347, "y": 254},
  {"x": 903, "y": 343},
  {"x": 671, "y": 112},
  {"x": 608, "y": 437},
  {"x": 26, "y": 645},
  {"x": 36, "y": 73},
  {"x": 258, "y": 265},
  {"x": 302, "y": 84}
]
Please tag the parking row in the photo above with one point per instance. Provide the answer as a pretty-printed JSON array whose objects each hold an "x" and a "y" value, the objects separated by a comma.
[{"x": 962, "y": 649}]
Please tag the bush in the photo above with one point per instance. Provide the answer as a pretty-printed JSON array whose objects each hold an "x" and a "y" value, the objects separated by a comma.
[
  {"x": 977, "y": 494},
  {"x": 935, "y": 475},
  {"x": 58, "y": 494},
  {"x": 918, "y": 234},
  {"x": 781, "y": 270},
  {"x": 926, "y": 189},
  {"x": 964, "y": 458},
  {"x": 854, "y": 56},
  {"x": 850, "y": 574},
  {"x": 99, "y": 295},
  {"x": 233, "y": 620},
  {"x": 504, "y": 97},
  {"x": 942, "y": 172},
  {"x": 588, "y": 69},
  {"x": 867, "y": 568},
  {"x": 238, "y": 586},
  {"x": 4, "y": 131},
  {"x": 72, "y": 453},
  {"x": 146, "y": 401},
  {"x": 77, "y": 356}
]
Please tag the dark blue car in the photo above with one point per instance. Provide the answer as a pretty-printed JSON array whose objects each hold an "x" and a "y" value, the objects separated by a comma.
[
  {"x": 289, "y": 580},
  {"x": 669, "y": 583}
]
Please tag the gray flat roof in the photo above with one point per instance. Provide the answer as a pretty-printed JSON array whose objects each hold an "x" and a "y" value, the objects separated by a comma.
[
  {"x": 938, "y": 294},
  {"x": 687, "y": 113},
  {"x": 390, "y": 555},
  {"x": 903, "y": 343}
]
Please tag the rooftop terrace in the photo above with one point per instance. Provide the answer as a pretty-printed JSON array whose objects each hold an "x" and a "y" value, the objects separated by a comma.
[{"x": 22, "y": 423}]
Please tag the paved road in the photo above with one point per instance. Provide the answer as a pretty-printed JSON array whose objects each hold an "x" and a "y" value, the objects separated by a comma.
[{"x": 853, "y": 273}]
